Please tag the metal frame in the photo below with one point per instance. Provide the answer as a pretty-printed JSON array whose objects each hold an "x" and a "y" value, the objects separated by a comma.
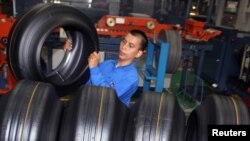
[{"x": 158, "y": 74}]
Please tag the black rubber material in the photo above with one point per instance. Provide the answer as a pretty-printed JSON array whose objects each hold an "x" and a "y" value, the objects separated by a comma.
[
  {"x": 94, "y": 113},
  {"x": 32, "y": 113},
  {"x": 174, "y": 40},
  {"x": 29, "y": 33},
  {"x": 3, "y": 102},
  {"x": 216, "y": 110},
  {"x": 156, "y": 117}
]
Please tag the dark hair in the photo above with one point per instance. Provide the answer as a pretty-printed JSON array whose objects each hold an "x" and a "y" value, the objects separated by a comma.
[{"x": 142, "y": 36}]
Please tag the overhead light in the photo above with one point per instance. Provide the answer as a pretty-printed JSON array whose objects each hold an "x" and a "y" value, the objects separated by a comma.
[{"x": 214, "y": 85}]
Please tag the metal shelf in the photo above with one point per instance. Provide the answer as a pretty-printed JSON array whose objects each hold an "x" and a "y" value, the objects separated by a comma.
[{"x": 156, "y": 74}]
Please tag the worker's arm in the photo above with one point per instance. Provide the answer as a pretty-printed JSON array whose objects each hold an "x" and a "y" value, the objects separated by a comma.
[
  {"x": 93, "y": 59},
  {"x": 96, "y": 77}
]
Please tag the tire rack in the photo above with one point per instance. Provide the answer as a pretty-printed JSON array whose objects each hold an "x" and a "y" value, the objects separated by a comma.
[{"x": 149, "y": 72}]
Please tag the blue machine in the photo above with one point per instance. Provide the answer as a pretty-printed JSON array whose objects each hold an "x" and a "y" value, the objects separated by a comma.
[
  {"x": 221, "y": 65},
  {"x": 219, "y": 62}
]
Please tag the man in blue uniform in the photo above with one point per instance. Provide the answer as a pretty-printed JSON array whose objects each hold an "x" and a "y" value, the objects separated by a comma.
[{"x": 120, "y": 74}]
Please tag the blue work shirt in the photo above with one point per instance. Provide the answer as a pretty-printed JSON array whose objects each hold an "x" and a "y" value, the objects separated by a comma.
[{"x": 123, "y": 79}]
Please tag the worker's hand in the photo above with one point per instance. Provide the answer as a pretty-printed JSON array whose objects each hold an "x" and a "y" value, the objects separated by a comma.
[
  {"x": 67, "y": 45},
  {"x": 93, "y": 59}
]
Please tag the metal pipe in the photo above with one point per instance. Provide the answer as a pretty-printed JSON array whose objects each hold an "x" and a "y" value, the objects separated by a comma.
[
  {"x": 198, "y": 74},
  {"x": 189, "y": 6},
  {"x": 210, "y": 11},
  {"x": 14, "y": 8}
]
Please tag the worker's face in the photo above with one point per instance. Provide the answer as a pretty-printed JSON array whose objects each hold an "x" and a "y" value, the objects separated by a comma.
[{"x": 130, "y": 48}]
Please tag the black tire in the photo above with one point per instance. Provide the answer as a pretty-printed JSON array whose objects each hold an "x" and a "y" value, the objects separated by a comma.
[
  {"x": 240, "y": 110},
  {"x": 156, "y": 117},
  {"x": 32, "y": 113},
  {"x": 3, "y": 103},
  {"x": 174, "y": 40},
  {"x": 216, "y": 110},
  {"x": 94, "y": 113},
  {"x": 29, "y": 33}
]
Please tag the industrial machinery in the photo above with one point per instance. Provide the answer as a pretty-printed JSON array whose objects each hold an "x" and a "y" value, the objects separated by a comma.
[
  {"x": 233, "y": 19},
  {"x": 222, "y": 64},
  {"x": 245, "y": 65},
  {"x": 7, "y": 80},
  {"x": 120, "y": 25},
  {"x": 233, "y": 14},
  {"x": 195, "y": 31}
]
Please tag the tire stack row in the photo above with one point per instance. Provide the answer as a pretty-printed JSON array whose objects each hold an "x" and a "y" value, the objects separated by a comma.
[{"x": 32, "y": 111}]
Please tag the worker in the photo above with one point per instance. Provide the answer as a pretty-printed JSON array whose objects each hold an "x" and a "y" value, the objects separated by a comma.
[{"x": 120, "y": 74}]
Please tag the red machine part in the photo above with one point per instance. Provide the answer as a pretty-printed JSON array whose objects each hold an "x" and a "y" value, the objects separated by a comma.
[
  {"x": 5, "y": 25},
  {"x": 245, "y": 100},
  {"x": 5, "y": 73},
  {"x": 120, "y": 25},
  {"x": 194, "y": 31}
]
